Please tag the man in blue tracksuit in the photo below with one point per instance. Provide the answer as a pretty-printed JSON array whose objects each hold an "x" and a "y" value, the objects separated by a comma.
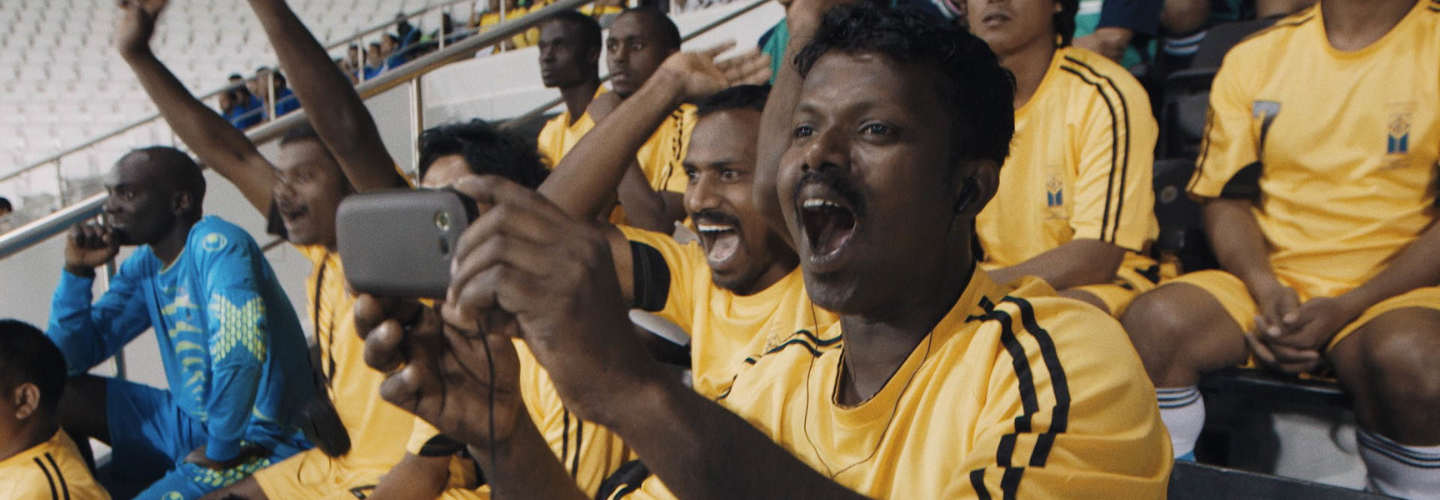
[{"x": 234, "y": 354}]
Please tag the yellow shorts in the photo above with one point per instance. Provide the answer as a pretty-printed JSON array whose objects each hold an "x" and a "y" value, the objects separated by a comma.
[
  {"x": 1233, "y": 295},
  {"x": 1129, "y": 282}
]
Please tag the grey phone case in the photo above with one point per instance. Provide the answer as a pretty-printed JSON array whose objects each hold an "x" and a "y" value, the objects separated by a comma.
[{"x": 400, "y": 242}]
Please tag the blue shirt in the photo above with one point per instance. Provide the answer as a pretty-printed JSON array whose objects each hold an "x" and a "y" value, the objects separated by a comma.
[
  {"x": 246, "y": 114},
  {"x": 285, "y": 102},
  {"x": 234, "y": 353}
]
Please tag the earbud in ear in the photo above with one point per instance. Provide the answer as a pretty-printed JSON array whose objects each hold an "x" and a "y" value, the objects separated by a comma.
[{"x": 966, "y": 194}]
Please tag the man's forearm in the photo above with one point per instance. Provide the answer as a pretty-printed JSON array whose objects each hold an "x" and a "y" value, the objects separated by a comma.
[
  {"x": 701, "y": 450},
  {"x": 1238, "y": 243},
  {"x": 1077, "y": 263},
  {"x": 525, "y": 467},
  {"x": 217, "y": 143},
  {"x": 591, "y": 172},
  {"x": 335, "y": 110},
  {"x": 1414, "y": 267}
]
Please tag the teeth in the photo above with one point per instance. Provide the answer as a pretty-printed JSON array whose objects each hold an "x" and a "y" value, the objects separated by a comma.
[
  {"x": 712, "y": 228},
  {"x": 819, "y": 204}
]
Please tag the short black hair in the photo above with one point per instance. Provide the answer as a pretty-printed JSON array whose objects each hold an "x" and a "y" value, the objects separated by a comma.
[
  {"x": 669, "y": 36},
  {"x": 5, "y": 204},
  {"x": 589, "y": 29},
  {"x": 978, "y": 90},
  {"x": 486, "y": 149},
  {"x": 1065, "y": 21},
  {"x": 301, "y": 132},
  {"x": 738, "y": 97},
  {"x": 28, "y": 357},
  {"x": 236, "y": 76}
]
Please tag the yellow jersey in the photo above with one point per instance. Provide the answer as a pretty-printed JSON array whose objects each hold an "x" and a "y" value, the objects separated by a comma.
[
  {"x": 662, "y": 156},
  {"x": 52, "y": 469},
  {"x": 1037, "y": 397},
  {"x": 559, "y": 135},
  {"x": 1341, "y": 146},
  {"x": 725, "y": 328},
  {"x": 1080, "y": 167},
  {"x": 378, "y": 430}
]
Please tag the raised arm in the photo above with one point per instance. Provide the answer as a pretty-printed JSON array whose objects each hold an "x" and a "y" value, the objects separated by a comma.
[
  {"x": 335, "y": 110},
  {"x": 217, "y": 143}
]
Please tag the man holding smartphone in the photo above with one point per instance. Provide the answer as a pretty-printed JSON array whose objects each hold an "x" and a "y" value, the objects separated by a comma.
[{"x": 233, "y": 350}]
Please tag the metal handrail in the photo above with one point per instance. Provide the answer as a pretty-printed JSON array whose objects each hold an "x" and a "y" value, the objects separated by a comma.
[
  {"x": 37, "y": 231},
  {"x": 154, "y": 117},
  {"x": 540, "y": 110}
]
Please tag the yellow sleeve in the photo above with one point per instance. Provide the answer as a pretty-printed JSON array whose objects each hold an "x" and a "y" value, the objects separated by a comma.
[
  {"x": 549, "y": 143},
  {"x": 676, "y": 180},
  {"x": 1114, "y": 192},
  {"x": 1230, "y": 132},
  {"x": 1092, "y": 429},
  {"x": 667, "y": 274}
]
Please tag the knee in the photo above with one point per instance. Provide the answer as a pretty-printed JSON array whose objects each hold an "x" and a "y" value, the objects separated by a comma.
[
  {"x": 1158, "y": 325},
  {"x": 1402, "y": 363}
]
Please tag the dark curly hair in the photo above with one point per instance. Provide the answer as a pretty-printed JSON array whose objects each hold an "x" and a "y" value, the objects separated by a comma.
[
  {"x": 737, "y": 97},
  {"x": 486, "y": 149},
  {"x": 978, "y": 91},
  {"x": 28, "y": 357}
]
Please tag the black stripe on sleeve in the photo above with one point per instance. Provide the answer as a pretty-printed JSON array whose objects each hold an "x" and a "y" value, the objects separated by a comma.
[
  {"x": 1024, "y": 379},
  {"x": 54, "y": 493},
  {"x": 1010, "y": 482},
  {"x": 64, "y": 486},
  {"x": 1060, "y": 384},
  {"x": 565, "y": 439},
  {"x": 624, "y": 481},
  {"x": 977, "y": 481},
  {"x": 651, "y": 278},
  {"x": 575, "y": 460},
  {"x": 1115, "y": 133}
]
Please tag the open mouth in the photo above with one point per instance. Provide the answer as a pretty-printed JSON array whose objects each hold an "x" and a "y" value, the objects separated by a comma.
[
  {"x": 828, "y": 218},
  {"x": 994, "y": 18},
  {"x": 721, "y": 239}
]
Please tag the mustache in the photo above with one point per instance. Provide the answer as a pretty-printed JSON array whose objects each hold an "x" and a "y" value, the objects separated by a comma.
[
  {"x": 716, "y": 217},
  {"x": 842, "y": 187}
]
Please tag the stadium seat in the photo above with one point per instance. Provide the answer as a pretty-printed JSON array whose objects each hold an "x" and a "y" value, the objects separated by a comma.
[
  {"x": 1186, "y": 94},
  {"x": 1192, "y": 481}
]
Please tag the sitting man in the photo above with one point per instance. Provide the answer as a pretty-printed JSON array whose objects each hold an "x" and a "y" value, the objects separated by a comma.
[
  {"x": 1318, "y": 178},
  {"x": 37, "y": 457},
  {"x": 570, "y": 61},
  {"x": 1075, "y": 205},
  {"x": 231, "y": 344},
  {"x": 945, "y": 387}
]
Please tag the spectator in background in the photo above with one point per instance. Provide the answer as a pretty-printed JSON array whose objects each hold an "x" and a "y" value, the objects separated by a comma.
[
  {"x": 285, "y": 100},
  {"x": 1317, "y": 178},
  {"x": 374, "y": 61},
  {"x": 232, "y": 347},
  {"x": 638, "y": 42},
  {"x": 1120, "y": 30},
  {"x": 569, "y": 60},
  {"x": 1075, "y": 203},
  {"x": 5, "y": 207},
  {"x": 37, "y": 458},
  {"x": 351, "y": 64},
  {"x": 239, "y": 106}
]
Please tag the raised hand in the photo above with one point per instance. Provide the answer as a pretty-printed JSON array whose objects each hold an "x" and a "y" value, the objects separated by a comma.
[
  {"x": 439, "y": 374},
  {"x": 89, "y": 246},
  {"x": 702, "y": 73},
  {"x": 137, "y": 24},
  {"x": 525, "y": 258}
]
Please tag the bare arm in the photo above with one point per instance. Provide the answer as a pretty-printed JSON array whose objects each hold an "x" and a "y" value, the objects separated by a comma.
[
  {"x": 335, "y": 110},
  {"x": 644, "y": 207},
  {"x": 1238, "y": 243},
  {"x": 1077, "y": 263},
  {"x": 414, "y": 478},
  {"x": 215, "y": 141}
]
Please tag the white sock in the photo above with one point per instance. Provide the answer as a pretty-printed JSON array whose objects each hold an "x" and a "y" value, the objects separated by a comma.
[
  {"x": 1183, "y": 411},
  {"x": 1411, "y": 472}
]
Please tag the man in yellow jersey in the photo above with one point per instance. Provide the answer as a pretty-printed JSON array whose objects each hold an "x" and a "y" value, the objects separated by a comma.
[
  {"x": 945, "y": 387},
  {"x": 637, "y": 43},
  {"x": 569, "y": 60},
  {"x": 1075, "y": 205},
  {"x": 1318, "y": 178},
  {"x": 37, "y": 459}
]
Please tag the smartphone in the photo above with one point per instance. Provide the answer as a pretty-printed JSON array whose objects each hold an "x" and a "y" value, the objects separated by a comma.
[{"x": 400, "y": 242}]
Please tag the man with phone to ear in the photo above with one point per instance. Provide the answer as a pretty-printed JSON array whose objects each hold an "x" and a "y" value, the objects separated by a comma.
[{"x": 231, "y": 344}]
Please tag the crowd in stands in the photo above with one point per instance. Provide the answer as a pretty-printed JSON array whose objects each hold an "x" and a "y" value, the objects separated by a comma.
[{"x": 912, "y": 248}]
